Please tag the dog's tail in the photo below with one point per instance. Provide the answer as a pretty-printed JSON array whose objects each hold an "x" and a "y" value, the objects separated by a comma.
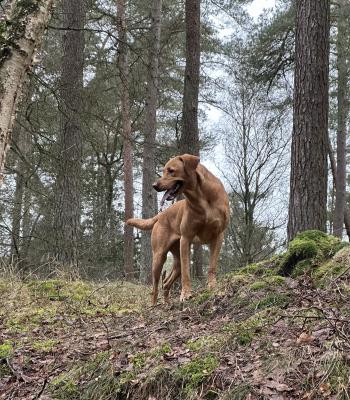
[{"x": 143, "y": 224}]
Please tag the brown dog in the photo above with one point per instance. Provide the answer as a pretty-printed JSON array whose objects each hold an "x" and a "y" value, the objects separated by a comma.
[{"x": 202, "y": 216}]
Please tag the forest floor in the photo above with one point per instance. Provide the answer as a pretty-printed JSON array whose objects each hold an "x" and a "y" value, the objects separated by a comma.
[{"x": 258, "y": 336}]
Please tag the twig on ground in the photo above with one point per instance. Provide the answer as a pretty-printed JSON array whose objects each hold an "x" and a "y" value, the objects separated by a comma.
[{"x": 41, "y": 390}]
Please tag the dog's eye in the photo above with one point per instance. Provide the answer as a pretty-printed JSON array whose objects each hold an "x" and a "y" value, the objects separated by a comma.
[{"x": 171, "y": 171}]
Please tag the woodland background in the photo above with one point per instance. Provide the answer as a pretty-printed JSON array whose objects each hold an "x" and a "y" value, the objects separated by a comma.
[{"x": 106, "y": 106}]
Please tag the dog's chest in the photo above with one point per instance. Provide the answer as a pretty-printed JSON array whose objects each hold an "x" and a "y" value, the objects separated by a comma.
[{"x": 211, "y": 227}]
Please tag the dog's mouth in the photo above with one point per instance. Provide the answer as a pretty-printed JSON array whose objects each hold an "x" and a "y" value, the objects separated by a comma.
[{"x": 171, "y": 193}]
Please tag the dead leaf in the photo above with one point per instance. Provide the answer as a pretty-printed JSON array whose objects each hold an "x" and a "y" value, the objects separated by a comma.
[
  {"x": 280, "y": 387},
  {"x": 325, "y": 389},
  {"x": 258, "y": 377},
  {"x": 305, "y": 338},
  {"x": 182, "y": 360}
]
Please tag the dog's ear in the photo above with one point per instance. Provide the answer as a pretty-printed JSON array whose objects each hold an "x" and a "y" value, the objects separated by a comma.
[{"x": 190, "y": 162}]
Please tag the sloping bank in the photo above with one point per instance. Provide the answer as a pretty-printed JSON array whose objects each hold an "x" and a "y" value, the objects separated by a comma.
[{"x": 279, "y": 329}]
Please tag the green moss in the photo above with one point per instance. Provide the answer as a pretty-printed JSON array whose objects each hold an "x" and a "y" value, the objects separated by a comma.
[
  {"x": 60, "y": 290},
  {"x": 30, "y": 318},
  {"x": 202, "y": 297},
  {"x": 309, "y": 245},
  {"x": 91, "y": 380},
  {"x": 237, "y": 280},
  {"x": 64, "y": 387},
  {"x": 244, "y": 332},
  {"x": 165, "y": 348},
  {"x": 194, "y": 372},
  {"x": 301, "y": 267},
  {"x": 51, "y": 289},
  {"x": 250, "y": 269},
  {"x": 258, "y": 285},
  {"x": 275, "y": 280},
  {"x": 6, "y": 350},
  {"x": 46, "y": 346},
  {"x": 272, "y": 299},
  {"x": 14, "y": 325},
  {"x": 328, "y": 271},
  {"x": 204, "y": 342},
  {"x": 138, "y": 361},
  {"x": 267, "y": 282}
]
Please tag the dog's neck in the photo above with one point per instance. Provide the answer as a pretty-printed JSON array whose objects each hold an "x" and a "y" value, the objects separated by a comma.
[{"x": 196, "y": 192}]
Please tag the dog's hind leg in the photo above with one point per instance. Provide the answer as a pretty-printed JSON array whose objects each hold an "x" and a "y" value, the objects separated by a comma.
[
  {"x": 175, "y": 272},
  {"x": 214, "y": 247},
  {"x": 157, "y": 265}
]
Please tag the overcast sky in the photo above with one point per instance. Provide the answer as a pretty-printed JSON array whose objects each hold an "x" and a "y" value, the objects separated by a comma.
[{"x": 257, "y": 7}]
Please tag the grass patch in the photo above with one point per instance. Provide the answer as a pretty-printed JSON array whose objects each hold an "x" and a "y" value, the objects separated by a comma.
[
  {"x": 158, "y": 352},
  {"x": 204, "y": 342},
  {"x": 194, "y": 372},
  {"x": 203, "y": 297},
  {"x": 244, "y": 332},
  {"x": 270, "y": 300},
  {"x": 91, "y": 380},
  {"x": 6, "y": 350},
  {"x": 46, "y": 346},
  {"x": 267, "y": 282}
]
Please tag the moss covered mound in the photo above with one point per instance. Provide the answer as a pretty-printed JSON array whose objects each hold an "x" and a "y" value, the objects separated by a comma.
[{"x": 309, "y": 248}]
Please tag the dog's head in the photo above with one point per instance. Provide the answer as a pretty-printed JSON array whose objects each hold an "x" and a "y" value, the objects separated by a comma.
[{"x": 177, "y": 174}]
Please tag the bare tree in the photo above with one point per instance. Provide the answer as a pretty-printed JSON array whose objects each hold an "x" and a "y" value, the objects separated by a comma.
[
  {"x": 189, "y": 142},
  {"x": 149, "y": 198},
  {"x": 127, "y": 142},
  {"x": 20, "y": 44},
  {"x": 308, "y": 181},
  {"x": 255, "y": 151}
]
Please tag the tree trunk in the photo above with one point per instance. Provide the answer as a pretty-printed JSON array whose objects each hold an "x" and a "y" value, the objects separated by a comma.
[
  {"x": 308, "y": 182},
  {"x": 20, "y": 43},
  {"x": 127, "y": 146},
  {"x": 24, "y": 148},
  {"x": 68, "y": 183},
  {"x": 189, "y": 142},
  {"x": 334, "y": 172},
  {"x": 149, "y": 197},
  {"x": 342, "y": 115}
]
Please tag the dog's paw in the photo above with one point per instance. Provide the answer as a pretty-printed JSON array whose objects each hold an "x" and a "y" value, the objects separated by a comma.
[
  {"x": 212, "y": 283},
  {"x": 185, "y": 295}
]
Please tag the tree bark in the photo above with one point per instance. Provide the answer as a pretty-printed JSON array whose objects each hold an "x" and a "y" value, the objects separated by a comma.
[
  {"x": 127, "y": 139},
  {"x": 334, "y": 173},
  {"x": 342, "y": 115},
  {"x": 308, "y": 181},
  {"x": 68, "y": 182},
  {"x": 189, "y": 142},
  {"x": 20, "y": 44},
  {"x": 149, "y": 197}
]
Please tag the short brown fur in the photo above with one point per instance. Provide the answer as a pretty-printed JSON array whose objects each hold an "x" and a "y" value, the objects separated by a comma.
[{"x": 202, "y": 216}]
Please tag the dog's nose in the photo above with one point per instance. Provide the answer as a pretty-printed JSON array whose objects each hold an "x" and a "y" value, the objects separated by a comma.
[{"x": 156, "y": 187}]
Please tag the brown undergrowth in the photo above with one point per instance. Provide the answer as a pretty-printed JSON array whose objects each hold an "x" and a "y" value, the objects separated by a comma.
[{"x": 258, "y": 336}]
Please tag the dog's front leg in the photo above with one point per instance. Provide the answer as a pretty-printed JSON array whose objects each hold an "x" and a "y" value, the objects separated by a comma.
[{"x": 185, "y": 244}]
